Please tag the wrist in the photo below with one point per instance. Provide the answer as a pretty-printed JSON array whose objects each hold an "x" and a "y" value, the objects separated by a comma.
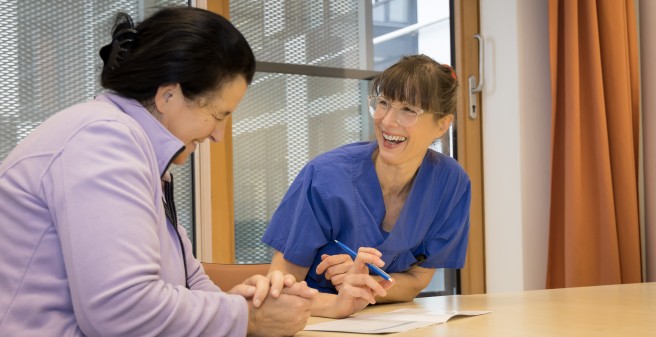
[
  {"x": 251, "y": 323},
  {"x": 332, "y": 306}
]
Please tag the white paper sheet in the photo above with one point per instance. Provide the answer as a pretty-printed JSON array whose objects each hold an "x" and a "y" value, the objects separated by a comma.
[{"x": 393, "y": 321}]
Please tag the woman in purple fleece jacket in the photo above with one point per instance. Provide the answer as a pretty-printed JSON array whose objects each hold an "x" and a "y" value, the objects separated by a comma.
[{"x": 90, "y": 242}]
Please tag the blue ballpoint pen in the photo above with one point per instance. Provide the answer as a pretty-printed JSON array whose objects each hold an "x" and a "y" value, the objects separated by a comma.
[{"x": 373, "y": 268}]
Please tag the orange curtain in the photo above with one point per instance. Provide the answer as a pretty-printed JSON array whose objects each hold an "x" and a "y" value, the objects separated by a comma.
[{"x": 594, "y": 224}]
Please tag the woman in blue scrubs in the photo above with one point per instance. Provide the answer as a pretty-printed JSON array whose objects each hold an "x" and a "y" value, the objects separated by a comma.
[{"x": 407, "y": 203}]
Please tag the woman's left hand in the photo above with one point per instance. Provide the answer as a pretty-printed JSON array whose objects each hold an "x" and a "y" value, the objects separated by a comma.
[{"x": 335, "y": 267}]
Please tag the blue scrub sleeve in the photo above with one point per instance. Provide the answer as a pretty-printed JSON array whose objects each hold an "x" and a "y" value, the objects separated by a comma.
[
  {"x": 448, "y": 247},
  {"x": 300, "y": 225}
]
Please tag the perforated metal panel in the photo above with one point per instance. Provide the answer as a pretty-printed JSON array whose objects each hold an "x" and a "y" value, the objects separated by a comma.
[
  {"x": 285, "y": 120},
  {"x": 49, "y": 60},
  {"x": 310, "y": 32}
]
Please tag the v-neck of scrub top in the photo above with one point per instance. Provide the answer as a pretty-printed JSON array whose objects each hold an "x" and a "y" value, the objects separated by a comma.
[{"x": 405, "y": 231}]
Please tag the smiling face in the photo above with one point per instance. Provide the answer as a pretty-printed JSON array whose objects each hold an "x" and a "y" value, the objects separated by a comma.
[
  {"x": 194, "y": 121},
  {"x": 401, "y": 145},
  {"x": 414, "y": 84}
]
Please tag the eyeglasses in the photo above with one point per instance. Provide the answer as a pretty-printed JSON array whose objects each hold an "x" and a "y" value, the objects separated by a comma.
[{"x": 406, "y": 115}]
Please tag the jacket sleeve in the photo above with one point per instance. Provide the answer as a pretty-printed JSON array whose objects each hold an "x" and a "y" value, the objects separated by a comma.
[
  {"x": 102, "y": 193},
  {"x": 198, "y": 280}
]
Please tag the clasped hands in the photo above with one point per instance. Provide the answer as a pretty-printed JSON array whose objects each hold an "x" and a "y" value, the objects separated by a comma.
[{"x": 277, "y": 304}]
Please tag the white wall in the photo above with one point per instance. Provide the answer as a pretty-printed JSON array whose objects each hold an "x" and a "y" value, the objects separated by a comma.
[{"x": 516, "y": 116}]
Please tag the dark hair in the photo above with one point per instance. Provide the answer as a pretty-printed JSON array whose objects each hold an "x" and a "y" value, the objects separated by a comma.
[
  {"x": 196, "y": 48},
  {"x": 421, "y": 81}
]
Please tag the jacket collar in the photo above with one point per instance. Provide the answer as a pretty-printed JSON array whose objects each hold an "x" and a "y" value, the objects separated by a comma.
[{"x": 165, "y": 144}]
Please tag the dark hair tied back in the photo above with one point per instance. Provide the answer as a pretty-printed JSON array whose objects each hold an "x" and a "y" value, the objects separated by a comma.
[
  {"x": 195, "y": 48},
  {"x": 123, "y": 38}
]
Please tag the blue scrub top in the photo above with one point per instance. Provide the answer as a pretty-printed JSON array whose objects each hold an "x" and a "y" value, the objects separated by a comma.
[{"x": 337, "y": 196}]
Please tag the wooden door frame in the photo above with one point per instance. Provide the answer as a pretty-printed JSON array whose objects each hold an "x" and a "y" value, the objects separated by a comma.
[
  {"x": 215, "y": 210},
  {"x": 469, "y": 140}
]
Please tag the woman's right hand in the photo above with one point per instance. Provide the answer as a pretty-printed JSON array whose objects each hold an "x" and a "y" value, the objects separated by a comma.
[
  {"x": 279, "y": 316},
  {"x": 280, "y": 306},
  {"x": 335, "y": 268}
]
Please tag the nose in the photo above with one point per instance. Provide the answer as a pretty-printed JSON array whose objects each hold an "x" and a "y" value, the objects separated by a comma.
[{"x": 219, "y": 131}]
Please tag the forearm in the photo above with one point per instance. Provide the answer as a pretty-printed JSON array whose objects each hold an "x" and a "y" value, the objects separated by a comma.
[
  {"x": 324, "y": 305},
  {"x": 336, "y": 306},
  {"x": 278, "y": 262},
  {"x": 407, "y": 285}
]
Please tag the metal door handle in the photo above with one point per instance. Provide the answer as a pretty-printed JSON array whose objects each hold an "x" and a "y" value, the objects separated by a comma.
[{"x": 474, "y": 87}]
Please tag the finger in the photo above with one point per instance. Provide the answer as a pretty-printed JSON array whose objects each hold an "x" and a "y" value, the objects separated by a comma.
[
  {"x": 387, "y": 284},
  {"x": 300, "y": 289},
  {"x": 338, "y": 279},
  {"x": 336, "y": 271},
  {"x": 365, "y": 281},
  {"x": 370, "y": 250},
  {"x": 276, "y": 283},
  {"x": 289, "y": 280},
  {"x": 324, "y": 264},
  {"x": 367, "y": 257},
  {"x": 331, "y": 260},
  {"x": 261, "y": 285},
  {"x": 243, "y": 290},
  {"x": 358, "y": 292}
]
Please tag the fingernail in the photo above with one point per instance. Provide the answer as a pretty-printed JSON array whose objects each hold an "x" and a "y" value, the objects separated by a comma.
[
  {"x": 256, "y": 303},
  {"x": 275, "y": 293}
]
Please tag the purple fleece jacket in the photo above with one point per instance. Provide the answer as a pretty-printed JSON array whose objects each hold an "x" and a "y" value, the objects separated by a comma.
[{"x": 85, "y": 247}]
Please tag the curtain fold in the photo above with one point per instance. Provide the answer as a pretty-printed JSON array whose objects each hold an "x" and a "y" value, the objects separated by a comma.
[{"x": 594, "y": 220}]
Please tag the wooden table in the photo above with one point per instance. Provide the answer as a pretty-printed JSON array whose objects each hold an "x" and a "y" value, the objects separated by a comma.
[{"x": 627, "y": 310}]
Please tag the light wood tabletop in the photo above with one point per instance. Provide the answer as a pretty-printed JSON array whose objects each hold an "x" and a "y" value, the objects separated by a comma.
[{"x": 627, "y": 310}]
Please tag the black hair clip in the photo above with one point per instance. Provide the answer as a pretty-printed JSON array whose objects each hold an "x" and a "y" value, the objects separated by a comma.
[{"x": 112, "y": 54}]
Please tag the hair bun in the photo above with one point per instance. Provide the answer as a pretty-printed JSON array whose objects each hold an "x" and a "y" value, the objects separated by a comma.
[
  {"x": 123, "y": 38},
  {"x": 114, "y": 53},
  {"x": 451, "y": 71}
]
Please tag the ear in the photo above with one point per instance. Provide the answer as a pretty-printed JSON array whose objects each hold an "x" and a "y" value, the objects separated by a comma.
[
  {"x": 443, "y": 125},
  {"x": 445, "y": 122},
  {"x": 165, "y": 94}
]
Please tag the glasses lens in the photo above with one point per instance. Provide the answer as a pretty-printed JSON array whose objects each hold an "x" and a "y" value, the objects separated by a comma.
[
  {"x": 373, "y": 104},
  {"x": 407, "y": 116},
  {"x": 378, "y": 106}
]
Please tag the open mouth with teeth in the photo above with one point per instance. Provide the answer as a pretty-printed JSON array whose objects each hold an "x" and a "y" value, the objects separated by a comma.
[{"x": 394, "y": 139}]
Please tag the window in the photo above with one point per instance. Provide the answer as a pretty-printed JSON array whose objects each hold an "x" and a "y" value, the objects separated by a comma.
[
  {"x": 50, "y": 61},
  {"x": 315, "y": 59}
]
